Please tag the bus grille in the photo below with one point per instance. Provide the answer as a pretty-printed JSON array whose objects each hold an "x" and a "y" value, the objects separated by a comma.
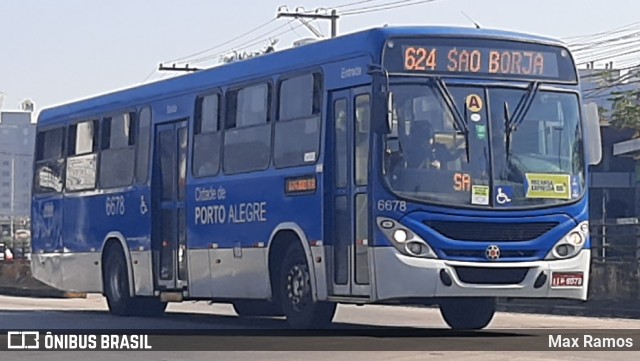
[
  {"x": 488, "y": 232},
  {"x": 493, "y": 276},
  {"x": 504, "y": 254}
]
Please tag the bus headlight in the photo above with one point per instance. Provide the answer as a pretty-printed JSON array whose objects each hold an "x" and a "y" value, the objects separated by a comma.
[
  {"x": 400, "y": 235},
  {"x": 405, "y": 241},
  {"x": 571, "y": 244}
]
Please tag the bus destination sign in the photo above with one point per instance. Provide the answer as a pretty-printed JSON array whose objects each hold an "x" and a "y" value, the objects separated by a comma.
[{"x": 485, "y": 58}]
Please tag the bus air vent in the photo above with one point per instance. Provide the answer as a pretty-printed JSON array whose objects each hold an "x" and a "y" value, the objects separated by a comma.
[
  {"x": 491, "y": 276},
  {"x": 491, "y": 232}
]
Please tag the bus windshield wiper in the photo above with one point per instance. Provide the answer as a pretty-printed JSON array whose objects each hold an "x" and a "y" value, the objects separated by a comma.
[
  {"x": 461, "y": 123},
  {"x": 512, "y": 122},
  {"x": 507, "y": 131}
]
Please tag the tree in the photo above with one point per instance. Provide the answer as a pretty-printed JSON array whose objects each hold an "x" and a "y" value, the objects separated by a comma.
[{"x": 625, "y": 109}]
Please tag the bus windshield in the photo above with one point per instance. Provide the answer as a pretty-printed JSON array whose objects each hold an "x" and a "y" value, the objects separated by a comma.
[{"x": 523, "y": 147}]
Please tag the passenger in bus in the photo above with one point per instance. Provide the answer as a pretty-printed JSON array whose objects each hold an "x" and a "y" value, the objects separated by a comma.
[{"x": 420, "y": 151}]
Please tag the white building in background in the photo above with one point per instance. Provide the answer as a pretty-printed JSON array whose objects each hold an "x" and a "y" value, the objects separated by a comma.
[{"x": 17, "y": 145}]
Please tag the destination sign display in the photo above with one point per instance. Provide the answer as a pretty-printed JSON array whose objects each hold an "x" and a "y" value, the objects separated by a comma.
[{"x": 479, "y": 58}]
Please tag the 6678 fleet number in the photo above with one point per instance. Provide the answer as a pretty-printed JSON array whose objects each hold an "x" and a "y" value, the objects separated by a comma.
[{"x": 391, "y": 205}]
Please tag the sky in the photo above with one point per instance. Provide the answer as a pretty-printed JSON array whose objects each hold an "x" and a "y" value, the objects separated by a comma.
[{"x": 54, "y": 52}]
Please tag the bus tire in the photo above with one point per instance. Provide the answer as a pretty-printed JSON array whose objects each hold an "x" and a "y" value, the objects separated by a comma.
[
  {"x": 468, "y": 313},
  {"x": 256, "y": 308},
  {"x": 301, "y": 311},
  {"x": 116, "y": 290}
]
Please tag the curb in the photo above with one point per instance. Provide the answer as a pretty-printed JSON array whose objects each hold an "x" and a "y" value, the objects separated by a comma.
[{"x": 40, "y": 293}]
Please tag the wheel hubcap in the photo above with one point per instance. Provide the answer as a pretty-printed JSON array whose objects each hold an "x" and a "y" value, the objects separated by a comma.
[{"x": 298, "y": 289}]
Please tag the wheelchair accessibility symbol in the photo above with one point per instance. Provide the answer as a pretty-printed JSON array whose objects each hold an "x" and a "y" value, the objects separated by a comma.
[{"x": 504, "y": 195}]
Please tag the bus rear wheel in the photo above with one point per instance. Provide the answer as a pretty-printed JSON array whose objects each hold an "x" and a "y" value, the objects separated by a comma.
[
  {"x": 116, "y": 290},
  {"x": 256, "y": 308},
  {"x": 301, "y": 311},
  {"x": 468, "y": 313}
]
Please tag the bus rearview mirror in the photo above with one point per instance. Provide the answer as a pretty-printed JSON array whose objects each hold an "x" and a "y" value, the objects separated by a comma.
[
  {"x": 593, "y": 141},
  {"x": 383, "y": 110}
]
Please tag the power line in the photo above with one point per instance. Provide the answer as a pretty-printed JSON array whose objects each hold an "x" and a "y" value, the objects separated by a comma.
[
  {"x": 223, "y": 43},
  {"x": 635, "y": 50},
  {"x": 608, "y": 41},
  {"x": 600, "y": 34},
  {"x": 150, "y": 75},
  {"x": 248, "y": 44},
  {"x": 388, "y": 6},
  {"x": 600, "y": 72},
  {"x": 354, "y": 3},
  {"x": 620, "y": 82},
  {"x": 609, "y": 86}
]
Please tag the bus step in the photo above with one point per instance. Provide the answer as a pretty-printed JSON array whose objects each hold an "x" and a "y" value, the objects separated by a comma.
[
  {"x": 359, "y": 300},
  {"x": 171, "y": 296}
]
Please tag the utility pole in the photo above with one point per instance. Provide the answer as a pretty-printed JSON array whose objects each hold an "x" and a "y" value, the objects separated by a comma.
[
  {"x": 13, "y": 182},
  {"x": 333, "y": 16}
]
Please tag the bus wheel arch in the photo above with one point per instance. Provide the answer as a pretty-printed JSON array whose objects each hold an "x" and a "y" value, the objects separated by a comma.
[
  {"x": 293, "y": 281},
  {"x": 302, "y": 310},
  {"x": 281, "y": 239},
  {"x": 114, "y": 242},
  {"x": 117, "y": 279}
]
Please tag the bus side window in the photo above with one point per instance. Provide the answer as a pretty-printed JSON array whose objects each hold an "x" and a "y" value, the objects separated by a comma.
[
  {"x": 117, "y": 157},
  {"x": 49, "y": 160},
  {"x": 297, "y": 137},
  {"x": 247, "y": 140},
  {"x": 340, "y": 151},
  {"x": 143, "y": 146},
  {"x": 362, "y": 117},
  {"x": 207, "y": 136},
  {"x": 82, "y": 155}
]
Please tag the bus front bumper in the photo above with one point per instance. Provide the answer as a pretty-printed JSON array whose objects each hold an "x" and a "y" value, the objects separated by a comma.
[{"x": 398, "y": 276}]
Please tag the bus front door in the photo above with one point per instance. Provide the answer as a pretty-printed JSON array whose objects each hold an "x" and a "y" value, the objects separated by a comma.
[
  {"x": 349, "y": 229},
  {"x": 169, "y": 227}
]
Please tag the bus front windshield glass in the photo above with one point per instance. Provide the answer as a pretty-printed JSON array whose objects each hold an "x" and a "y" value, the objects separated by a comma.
[{"x": 484, "y": 146}]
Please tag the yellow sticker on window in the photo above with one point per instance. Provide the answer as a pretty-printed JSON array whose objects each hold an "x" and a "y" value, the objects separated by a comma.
[
  {"x": 474, "y": 103},
  {"x": 544, "y": 185},
  {"x": 480, "y": 195}
]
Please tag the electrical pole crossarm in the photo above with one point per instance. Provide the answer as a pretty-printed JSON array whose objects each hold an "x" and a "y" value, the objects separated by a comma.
[
  {"x": 333, "y": 16},
  {"x": 162, "y": 67}
]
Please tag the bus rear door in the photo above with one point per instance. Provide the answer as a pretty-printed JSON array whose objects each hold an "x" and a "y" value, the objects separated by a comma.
[
  {"x": 168, "y": 236},
  {"x": 349, "y": 229}
]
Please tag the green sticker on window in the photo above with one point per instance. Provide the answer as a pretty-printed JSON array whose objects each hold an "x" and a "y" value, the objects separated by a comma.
[{"x": 481, "y": 131}]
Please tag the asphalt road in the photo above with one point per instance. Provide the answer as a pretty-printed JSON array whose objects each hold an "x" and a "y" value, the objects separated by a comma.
[{"x": 91, "y": 313}]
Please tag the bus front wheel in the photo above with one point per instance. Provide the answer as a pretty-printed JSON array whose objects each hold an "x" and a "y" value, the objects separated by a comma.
[
  {"x": 116, "y": 290},
  {"x": 301, "y": 311},
  {"x": 468, "y": 313}
]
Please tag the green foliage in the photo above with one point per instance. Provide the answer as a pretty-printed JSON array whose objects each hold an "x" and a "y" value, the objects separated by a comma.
[{"x": 625, "y": 109}]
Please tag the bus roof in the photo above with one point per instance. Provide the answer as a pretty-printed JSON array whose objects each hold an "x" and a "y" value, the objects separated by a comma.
[{"x": 364, "y": 42}]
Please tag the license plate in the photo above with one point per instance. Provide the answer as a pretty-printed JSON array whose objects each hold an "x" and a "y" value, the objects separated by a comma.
[{"x": 567, "y": 279}]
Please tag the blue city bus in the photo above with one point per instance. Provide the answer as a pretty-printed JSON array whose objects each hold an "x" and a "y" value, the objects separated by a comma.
[{"x": 410, "y": 165}]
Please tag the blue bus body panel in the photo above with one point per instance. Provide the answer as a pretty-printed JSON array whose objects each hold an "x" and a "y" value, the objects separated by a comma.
[
  {"x": 46, "y": 224},
  {"x": 86, "y": 222},
  {"x": 244, "y": 211}
]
